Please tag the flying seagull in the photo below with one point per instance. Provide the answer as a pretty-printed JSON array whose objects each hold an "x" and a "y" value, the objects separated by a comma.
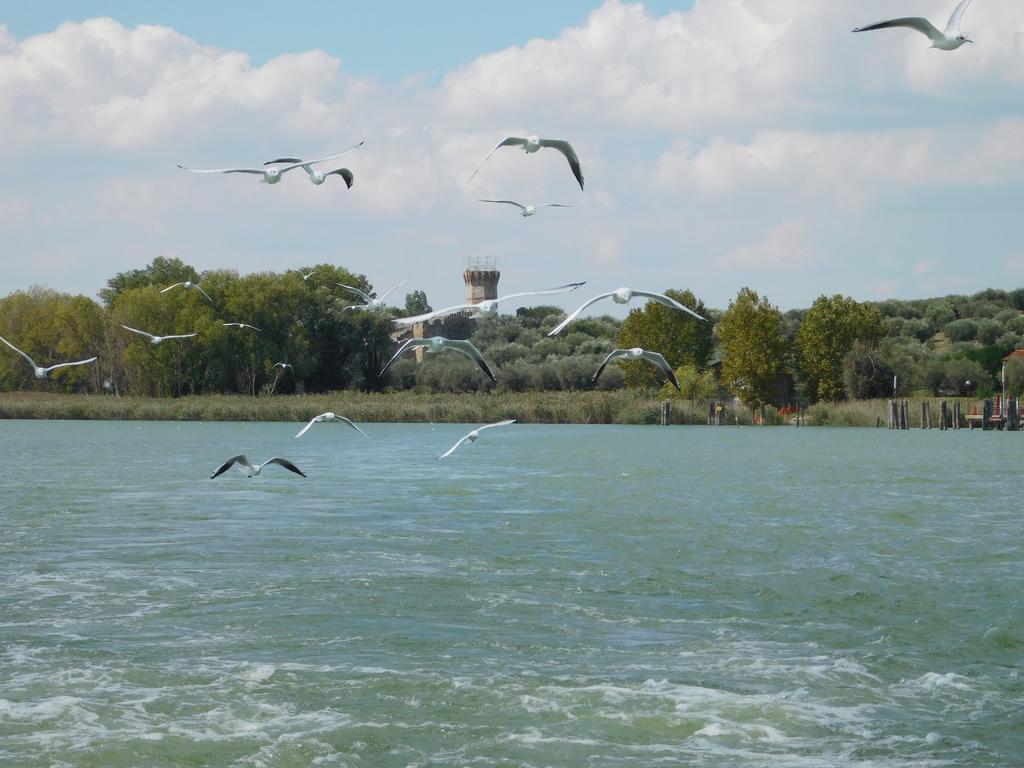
[
  {"x": 39, "y": 371},
  {"x": 436, "y": 344},
  {"x": 635, "y": 354},
  {"x": 282, "y": 366},
  {"x": 255, "y": 469},
  {"x": 949, "y": 40},
  {"x": 330, "y": 417},
  {"x": 273, "y": 175},
  {"x": 159, "y": 339},
  {"x": 314, "y": 175},
  {"x": 623, "y": 296},
  {"x": 525, "y": 210},
  {"x": 188, "y": 284},
  {"x": 372, "y": 303},
  {"x": 532, "y": 144},
  {"x": 240, "y": 325},
  {"x": 487, "y": 308},
  {"x": 472, "y": 436}
]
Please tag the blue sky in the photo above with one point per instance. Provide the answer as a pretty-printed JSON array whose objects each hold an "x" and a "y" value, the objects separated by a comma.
[{"x": 725, "y": 144}]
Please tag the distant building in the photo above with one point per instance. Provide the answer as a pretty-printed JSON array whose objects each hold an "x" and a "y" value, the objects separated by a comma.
[{"x": 481, "y": 278}]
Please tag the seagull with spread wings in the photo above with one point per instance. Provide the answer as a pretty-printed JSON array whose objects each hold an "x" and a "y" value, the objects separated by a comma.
[
  {"x": 371, "y": 303},
  {"x": 531, "y": 144},
  {"x": 624, "y": 296},
  {"x": 159, "y": 339},
  {"x": 241, "y": 325},
  {"x": 525, "y": 210},
  {"x": 255, "y": 469},
  {"x": 330, "y": 417},
  {"x": 273, "y": 175},
  {"x": 39, "y": 371},
  {"x": 439, "y": 343},
  {"x": 948, "y": 40},
  {"x": 472, "y": 436},
  {"x": 486, "y": 308},
  {"x": 188, "y": 284},
  {"x": 636, "y": 353}
]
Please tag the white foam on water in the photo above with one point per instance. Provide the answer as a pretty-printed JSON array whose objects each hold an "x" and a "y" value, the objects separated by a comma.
[{"x": 257, "y": 673}]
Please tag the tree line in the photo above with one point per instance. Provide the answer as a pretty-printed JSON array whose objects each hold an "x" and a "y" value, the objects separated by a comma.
[{"x": 836, "y": 349}]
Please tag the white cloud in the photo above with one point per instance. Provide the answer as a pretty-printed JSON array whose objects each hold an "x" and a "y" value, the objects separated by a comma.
[
  {"x": 720, "y": 61},
  {"x": 846, "y": 166},
  {"x": 99, "y": 82},
  {"x": 785, "y": 248}
]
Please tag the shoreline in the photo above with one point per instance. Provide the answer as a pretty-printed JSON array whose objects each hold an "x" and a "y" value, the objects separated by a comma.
[{"x": 622, "y": 406}]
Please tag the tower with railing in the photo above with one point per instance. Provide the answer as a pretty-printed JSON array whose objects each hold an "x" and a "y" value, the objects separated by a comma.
[{"x": 481, "y": 278}]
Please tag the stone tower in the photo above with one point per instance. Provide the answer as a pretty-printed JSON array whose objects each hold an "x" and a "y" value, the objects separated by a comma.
[{"x": 481, "y": 278}]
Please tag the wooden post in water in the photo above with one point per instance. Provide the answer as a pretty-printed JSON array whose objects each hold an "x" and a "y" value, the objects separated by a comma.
[
  {"x": 986, "y": 415},
  {"x": 943, "y": 415},
  {"x": 905, "y": 415},
  {"x": 664, "y": 412},
  {"x": 1012, "y": 415},
  {"x": 956, "y": 415},
  {"x": 924, "y": 414},
  {"x": 891, "y": 415}
]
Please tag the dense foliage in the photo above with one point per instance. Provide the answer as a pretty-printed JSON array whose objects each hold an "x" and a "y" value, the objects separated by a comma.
[{"x": 837, "y": 349}]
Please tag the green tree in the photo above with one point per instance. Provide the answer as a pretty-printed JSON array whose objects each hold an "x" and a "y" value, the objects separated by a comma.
[
  {"x": 161, "y": 273},
  {"x": 416, "y": 304},
  {"x": 753, "y": 347},
  {"x": 678, "y": 337},
  {"x": 830, "y": 328}
]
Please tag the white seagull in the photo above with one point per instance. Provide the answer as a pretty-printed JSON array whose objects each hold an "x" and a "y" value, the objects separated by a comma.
[
  {"x": 949, "y": 40},
  {"x": 623, "y": 296},
  {"x": 472, "y": 436},
  {"x": 39, "y": 371},
  {"x": 159, "y": 339},
  {"x": 371, "y": 303},
  {"x": 637, "y": 353},
  {"x": 255, "y": 469},
  {"x": 314, "y": 175},
  {"x": 188, "y": 284},
  {"x": 282, "y": 366},
  {"x": 438, "y": 343},
  {"x": 486, "y": 308},
  {"x": 531, "y": 144},
  {"x": 330, "y": 417},
  {"x": 273, "y": 175},
  {"x": 525, "y": 210},
  {"x": 240, "y": 325}
]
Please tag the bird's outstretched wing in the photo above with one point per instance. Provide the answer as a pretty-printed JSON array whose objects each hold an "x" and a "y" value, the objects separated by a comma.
[
  {"x": 520, "y": 206},
  {"x": 611, "y": 356},
  {"x": 661, "y": 362},
  {"x": 297, "y": 162},
  {"x": 668, "y": 302},
  {"x": 511, "y": 141},
  {"x": 361, "y": 294},
  {"x": 409, "y": 344},
  {"x": 504, "y": 423},
  {"x": 392, "y": 288},
  {"x": 65, "y": 365},
  {"x": 199, "y": 288},
  {"x": 561, "y": 326},
  {"x": 570, "y": 154},
  {"x": 240, "y": 459},
  {"x": 472, "y": 353},
  {"x": 552, "y": 205},
  {"x": 433, "y": 315},
  {"x": 306, "y": 428},
  {"x": 182, "y": 335},
  {"x": 30, "y": 360},
  {"x": 223, "y": 170},
  {"x": 345, "y": 174},
  {"x": 136, "y": 330},
  {"x": 452, "y": 450},
  {"x": 953, "y": 27},
  {"x": 923, "y": 26},
  {"x": 568, "y": 287},
  {"x": 284, "y": 463},
  {"x": 169, "y": 287},
  {"x": 353, "y": 425}
]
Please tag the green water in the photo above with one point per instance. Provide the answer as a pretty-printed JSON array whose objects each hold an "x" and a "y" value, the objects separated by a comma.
[{"x": 548, "y": 596}]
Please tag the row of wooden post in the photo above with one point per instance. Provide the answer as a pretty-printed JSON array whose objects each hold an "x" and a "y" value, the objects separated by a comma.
[{"x": 948, "y": 418}]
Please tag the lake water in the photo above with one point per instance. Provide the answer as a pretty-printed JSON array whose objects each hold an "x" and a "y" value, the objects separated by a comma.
[{"x": 547, "y": 596}]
